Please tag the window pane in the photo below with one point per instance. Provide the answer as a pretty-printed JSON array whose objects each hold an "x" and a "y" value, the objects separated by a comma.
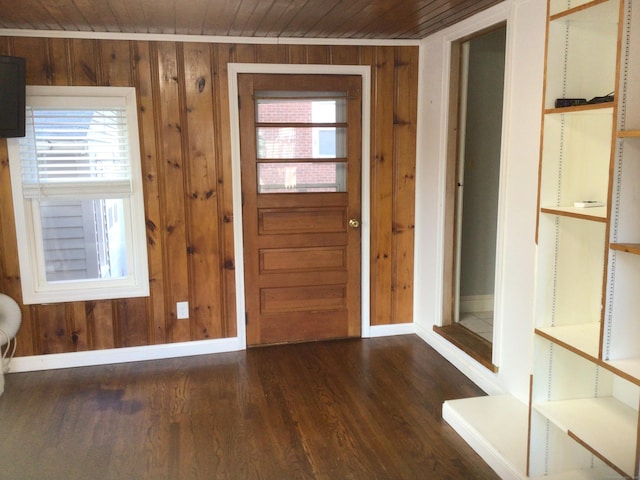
[
  {"x": 302, "y": 142},
  {"x": 302, "y": 177},
  {"x": 301, "y": 110},
  {"x": 83, "y": 239}
]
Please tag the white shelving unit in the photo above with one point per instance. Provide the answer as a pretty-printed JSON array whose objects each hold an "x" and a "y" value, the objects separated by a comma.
[
  {"x": 586, "y": 404},
  {"x": 585, "y": 390}
]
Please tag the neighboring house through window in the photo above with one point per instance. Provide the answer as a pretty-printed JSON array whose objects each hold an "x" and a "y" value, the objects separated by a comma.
[{"x": 78, "y": 200}]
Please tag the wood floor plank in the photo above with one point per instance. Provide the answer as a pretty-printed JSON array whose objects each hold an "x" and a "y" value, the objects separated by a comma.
[{"x": 349, "y": 409}]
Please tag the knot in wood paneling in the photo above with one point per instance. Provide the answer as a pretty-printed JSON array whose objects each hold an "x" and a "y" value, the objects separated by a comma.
[
  {"x": 89, "y": 72},
  {"x": 201, "y": 83}
]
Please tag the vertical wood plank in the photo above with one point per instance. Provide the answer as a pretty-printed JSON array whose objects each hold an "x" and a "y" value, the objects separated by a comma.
[
  {"x": 169, "y": 122},
  {"x": 245, "y": 53},
  {"x": 345, "y": 55},
  {"x": 6, "y": 210},
  {"x": 222, "y": 56},
  {"x": 53, "y": 331},
  {"x": 318, "y": 54},
  {"x": 200, "y": 169},
  {"x": 130, "y": 316},
  {"x": 145, "y": 73},
  {"x": 85, "y": 62},
  {"x": 36, "y": 51},
  {"x": 79, "y": 334},
  {"x": 405, "y": 123},
  {"x": 6, "y": 45},
  {"x": 116, "y": 63},
  {"x": 59, "y": 70},
  {"x": 272, "y": 53},
  {"x": 297, "y": 54},
  {"x": 100, "y": 325},
  {"x": 382, "y": 185}
]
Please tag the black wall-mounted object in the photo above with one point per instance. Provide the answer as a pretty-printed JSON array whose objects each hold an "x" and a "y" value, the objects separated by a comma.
[{"x": 12, "y": 96}]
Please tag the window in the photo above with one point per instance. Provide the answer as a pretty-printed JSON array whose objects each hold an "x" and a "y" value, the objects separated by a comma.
[{"x": 78, "y": 199}]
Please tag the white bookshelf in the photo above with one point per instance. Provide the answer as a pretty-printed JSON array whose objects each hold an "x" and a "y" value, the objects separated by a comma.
[
  {"x": 586, "y": 403},
  {"x": 585, "y": 389}
]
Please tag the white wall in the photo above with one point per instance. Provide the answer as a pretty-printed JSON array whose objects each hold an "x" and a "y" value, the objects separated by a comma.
[{"x": 516, "y": 236}]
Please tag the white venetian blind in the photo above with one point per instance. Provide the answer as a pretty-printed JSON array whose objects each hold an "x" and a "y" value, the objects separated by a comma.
[{"x": 79, "y": 152}]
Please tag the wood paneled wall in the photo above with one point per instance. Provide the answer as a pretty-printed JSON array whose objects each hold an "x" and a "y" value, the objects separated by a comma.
[{"x": 186, "y": 154}]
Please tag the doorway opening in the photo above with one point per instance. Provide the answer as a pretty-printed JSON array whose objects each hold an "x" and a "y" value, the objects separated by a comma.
[{"x": 473, "y": 181}]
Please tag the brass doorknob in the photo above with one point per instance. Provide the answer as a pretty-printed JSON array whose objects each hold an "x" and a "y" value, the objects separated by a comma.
[{"x": 353, "y": 223}]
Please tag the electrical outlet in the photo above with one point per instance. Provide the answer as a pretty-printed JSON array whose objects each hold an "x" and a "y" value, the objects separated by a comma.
[{"x": 182, "y": 309}]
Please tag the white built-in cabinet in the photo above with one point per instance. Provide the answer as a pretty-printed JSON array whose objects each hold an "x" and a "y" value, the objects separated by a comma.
[{"x": 585, "y": 388}]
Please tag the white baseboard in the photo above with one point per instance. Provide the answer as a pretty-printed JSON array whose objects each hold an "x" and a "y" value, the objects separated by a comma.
[
  {"x": 476, "y": 303},
  {"x": 390, "y": 330},
  {"x": 157, "y": 352},
  {"x": 468, "y": 366},
  {"x": 123, "y": 355}
]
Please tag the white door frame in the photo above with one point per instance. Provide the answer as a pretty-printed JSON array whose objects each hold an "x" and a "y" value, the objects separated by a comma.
[{"x": 365, "y": 226}]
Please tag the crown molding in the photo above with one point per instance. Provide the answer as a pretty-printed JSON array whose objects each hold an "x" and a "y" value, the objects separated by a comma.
[{"x": 163, "y": 37}]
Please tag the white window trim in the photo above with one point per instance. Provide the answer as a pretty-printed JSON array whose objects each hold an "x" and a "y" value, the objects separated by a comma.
[{"x": 35, "y": 288}]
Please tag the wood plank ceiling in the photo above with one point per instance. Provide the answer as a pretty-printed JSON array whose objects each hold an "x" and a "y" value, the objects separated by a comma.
[{"x": 343, "y": 19}]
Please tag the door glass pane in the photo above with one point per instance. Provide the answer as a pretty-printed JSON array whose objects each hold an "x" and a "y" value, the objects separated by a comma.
[
  {"x": 301, "y": 142},
  {"x": 301, "y": 110},
  {"x": 83, "y": 239},
  {"x": 302, "y": 177}
]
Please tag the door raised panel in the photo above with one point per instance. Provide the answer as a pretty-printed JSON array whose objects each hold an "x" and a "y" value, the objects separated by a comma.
[
  {"x": 280, "y": 260},
  {"x": 304, "y": 220}
]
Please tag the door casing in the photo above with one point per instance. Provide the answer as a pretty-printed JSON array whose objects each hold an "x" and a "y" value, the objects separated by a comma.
[{"x": 234, "y": 69}]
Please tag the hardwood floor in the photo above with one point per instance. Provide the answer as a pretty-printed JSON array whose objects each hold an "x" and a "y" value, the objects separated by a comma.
[{"x": 349, "y": 409}]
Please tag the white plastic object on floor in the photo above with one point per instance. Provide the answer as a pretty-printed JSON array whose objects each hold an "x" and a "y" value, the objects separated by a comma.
[
  {"x": 10, "y": 320},
  {"x": 10, "y": 317}
]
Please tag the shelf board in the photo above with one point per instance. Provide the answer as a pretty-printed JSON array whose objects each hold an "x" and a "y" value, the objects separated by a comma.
[
  {"x": 577, "y": 10},
  {"x": 628, "y": 368},
  {"x": 578, "y": 109},
  {"x": 629, "y": 134},
  {"x": 633, "y": 248},
  {"x": 595, "y": 214},
  {"x": 605, "y": 426},
  {"x": 587, "y": 474},
  {"x": 583, "y": 339}
]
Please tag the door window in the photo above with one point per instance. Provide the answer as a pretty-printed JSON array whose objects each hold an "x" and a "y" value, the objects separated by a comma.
[{"x": 301, "y": 141}]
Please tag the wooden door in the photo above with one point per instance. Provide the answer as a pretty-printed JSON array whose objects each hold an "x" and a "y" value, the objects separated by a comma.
[{"x": 300, "y": 142}]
